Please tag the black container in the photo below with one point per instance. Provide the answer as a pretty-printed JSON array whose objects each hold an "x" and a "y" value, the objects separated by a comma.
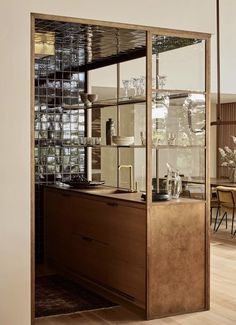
[
  {"x": 161, "y": 196},
  {"x": 110, "y": 131}
]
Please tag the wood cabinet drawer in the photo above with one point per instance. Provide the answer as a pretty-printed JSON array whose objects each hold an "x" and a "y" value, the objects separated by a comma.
[
  {"x": 88, "y": 257},
  {"x": 101, "y": 240},
  {"x": 107, "y": 220},
  {"x": 96, "y": 261}
]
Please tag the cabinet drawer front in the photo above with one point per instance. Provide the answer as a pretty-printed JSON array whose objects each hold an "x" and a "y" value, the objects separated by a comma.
[
  {"x": 88, "y": 257},
  {"x": 106, "y": 222},
  {"x": 126, "y": 277},
  {"x": 100, "y": 240},
  {"x": 95, "y": 261}
]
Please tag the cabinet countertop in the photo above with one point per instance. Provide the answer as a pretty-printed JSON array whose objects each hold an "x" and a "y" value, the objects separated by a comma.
[
  {"x": 103, "y": 191},
  {"x": 108, "y": 192}
]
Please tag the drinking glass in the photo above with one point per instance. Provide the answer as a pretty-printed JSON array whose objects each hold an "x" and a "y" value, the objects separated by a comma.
[
  {"x": 142, "y": 85},
  {"x": 135, "y": 85},
  {"x": 171, "y": 138},
  {"x": 126, "y": 84},
  {"x": 161, "y": 81}
]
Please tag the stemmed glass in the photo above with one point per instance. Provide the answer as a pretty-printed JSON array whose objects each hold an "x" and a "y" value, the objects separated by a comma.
[
  {"x": 142, "y": 85},
  {"x": 126, "y": 84},
  {"x": 161, "y": 81},
  {"x": 135, "y": 85}
]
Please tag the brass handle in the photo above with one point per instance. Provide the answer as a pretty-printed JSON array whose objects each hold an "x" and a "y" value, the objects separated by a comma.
[
  {"x": 87, "y": 238},
  {"x": 65, "y": 195},
  {"x": 112, "y": 204}
]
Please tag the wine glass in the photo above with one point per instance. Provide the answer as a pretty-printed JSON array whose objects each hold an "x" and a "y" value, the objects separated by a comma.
[
  {"x": 126, "y": 84},
  {"x": 161, "y": 81},
  {"x": 135, "y": 85},
  {"x": 142, "y": 85}
]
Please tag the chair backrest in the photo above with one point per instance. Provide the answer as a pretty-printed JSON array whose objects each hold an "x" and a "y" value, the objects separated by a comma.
[{"x": 226, "y": 197}]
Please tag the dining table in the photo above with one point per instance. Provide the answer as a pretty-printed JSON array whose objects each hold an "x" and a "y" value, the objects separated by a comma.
[{"x": 214, "y": 182}]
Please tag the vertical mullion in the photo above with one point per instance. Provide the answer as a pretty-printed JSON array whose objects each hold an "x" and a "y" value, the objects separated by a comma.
[
  {"x": 32, "y": 190},
  {"x": 148, "y": 158},
  {"x": 207, "y": 173},
  {"x": 149, "y": 118}
]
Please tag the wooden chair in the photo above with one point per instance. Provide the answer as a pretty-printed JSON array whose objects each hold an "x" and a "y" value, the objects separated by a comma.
[
  {"x": 226, "y": 203},
  {"x": 214, "y": 205}
]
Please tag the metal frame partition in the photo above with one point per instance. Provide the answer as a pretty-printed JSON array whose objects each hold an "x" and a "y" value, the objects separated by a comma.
[{"x": 150, "y": 31}]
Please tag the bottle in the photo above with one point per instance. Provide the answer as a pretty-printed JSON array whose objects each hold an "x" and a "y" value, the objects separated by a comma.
[{"x": 110, "y": 131}]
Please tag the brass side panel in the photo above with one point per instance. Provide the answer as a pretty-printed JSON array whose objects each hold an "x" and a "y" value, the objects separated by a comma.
[{"x": 177, "y": 259}]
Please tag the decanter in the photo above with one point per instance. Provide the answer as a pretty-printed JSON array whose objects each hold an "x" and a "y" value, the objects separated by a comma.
[{"x": 174, "y": 182}]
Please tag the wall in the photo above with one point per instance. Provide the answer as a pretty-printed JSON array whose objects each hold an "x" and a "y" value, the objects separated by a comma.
[
  {"x": 15, "y": 118},
  {"x": 227, "y": 45}
]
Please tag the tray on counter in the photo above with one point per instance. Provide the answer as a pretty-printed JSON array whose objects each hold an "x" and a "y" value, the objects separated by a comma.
[{"x": 85, "y": 185}]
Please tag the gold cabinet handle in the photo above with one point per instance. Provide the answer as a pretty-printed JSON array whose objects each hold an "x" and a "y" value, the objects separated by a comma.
[
  {"x": 87, "y": 238},
  {"x": 112, "y": 204}
]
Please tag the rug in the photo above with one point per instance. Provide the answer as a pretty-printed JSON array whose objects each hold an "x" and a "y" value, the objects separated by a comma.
[{"x": 56, "y": 295}]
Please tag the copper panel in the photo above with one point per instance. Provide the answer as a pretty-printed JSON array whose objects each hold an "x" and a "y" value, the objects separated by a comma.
[{"x": 177, "y": 259}]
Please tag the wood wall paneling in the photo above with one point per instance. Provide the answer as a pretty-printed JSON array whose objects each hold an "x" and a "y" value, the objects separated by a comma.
[{"x": 227, "y": 113}]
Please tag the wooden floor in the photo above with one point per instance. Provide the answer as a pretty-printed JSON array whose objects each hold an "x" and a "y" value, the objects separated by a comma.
[{"x": 223, "y": 296}]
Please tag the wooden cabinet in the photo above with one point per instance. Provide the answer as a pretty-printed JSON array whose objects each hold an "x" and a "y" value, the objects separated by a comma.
[{"x": 99, "y": 239}]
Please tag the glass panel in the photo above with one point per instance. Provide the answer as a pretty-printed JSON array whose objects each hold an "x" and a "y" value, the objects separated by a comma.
[
  {"x": 103, "y": 82},
  {"x": 178, "y": 117},
  {"x": 133, "y": 79},
  {"x": 190, "y": 164},
  {"x": 178, "y": 63}
]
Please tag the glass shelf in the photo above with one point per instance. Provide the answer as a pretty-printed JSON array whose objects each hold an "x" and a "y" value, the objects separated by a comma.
[
  {"x": 46, "y": 142},
  {"x": 178, "y": 91},
  {"x": 177, "y": 147},
  {"x": 107, "y": 103}
]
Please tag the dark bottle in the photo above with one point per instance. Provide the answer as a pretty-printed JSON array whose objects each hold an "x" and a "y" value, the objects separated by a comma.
[{"x": 110, "y": 131}]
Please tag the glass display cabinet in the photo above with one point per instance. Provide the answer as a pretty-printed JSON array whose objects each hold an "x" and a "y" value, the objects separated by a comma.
[
  {"x": 149, "y": 182},
  {"x": 178, "y": 170},
  {"x": 179, "y": 113}
]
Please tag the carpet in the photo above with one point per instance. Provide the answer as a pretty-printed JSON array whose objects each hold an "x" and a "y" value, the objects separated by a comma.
[{"x": 56, "y": 295}]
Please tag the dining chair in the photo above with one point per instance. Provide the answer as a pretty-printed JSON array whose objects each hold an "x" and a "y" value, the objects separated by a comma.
[
  {"x": 214, "y": 204},
  {"x": 226, "y": 203}
]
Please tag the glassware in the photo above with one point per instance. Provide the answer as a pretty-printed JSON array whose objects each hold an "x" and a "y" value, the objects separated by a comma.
[
  {"x": 143, "y": 139},
  {"x": 82, "y": 141},
  {"x": 159, "y": 108},
  {"x": 183, "y": 139},
  {"x": 126, "y": 84},
  {"x": 161, "y": 81},
  {"x": 171, "y": 138},
  {"x": 97, "y": 140},
  {"x": 142, "y": 85},
  {"x": 90, "y": 141},
  {"x": 174, "y": 182},
  {"x": 158, "y": 137},
  {"x": 135, "y": 85}
]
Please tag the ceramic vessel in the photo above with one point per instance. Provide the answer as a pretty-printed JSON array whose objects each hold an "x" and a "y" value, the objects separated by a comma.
[{"x": 92, "y": 98}]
